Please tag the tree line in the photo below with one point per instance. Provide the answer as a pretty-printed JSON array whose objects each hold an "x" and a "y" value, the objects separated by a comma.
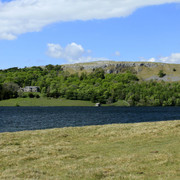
[{"x": 96, "y": 86}]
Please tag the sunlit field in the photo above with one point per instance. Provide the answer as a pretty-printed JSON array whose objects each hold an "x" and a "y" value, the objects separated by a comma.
[{"x": 118, "y": 151}]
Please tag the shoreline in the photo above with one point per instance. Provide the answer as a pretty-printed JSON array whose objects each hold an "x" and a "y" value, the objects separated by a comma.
[{"x": 38, "y": 102}]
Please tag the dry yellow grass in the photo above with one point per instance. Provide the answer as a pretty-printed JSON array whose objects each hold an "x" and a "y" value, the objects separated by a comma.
[{"x": 118, "y": 151}]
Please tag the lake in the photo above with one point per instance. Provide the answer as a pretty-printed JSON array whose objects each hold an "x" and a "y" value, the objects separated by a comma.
[{"x": 32, "y": 118}]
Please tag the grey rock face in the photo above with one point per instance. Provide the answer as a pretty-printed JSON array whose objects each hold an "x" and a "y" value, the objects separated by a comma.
[
  {"x": 106, "y": 64},
  {"x": 145, "y": 70},
  {"x": 109, "y": 66}
]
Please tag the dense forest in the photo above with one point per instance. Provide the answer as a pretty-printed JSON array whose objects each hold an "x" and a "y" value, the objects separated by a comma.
[{"x": 96, "y": 86}]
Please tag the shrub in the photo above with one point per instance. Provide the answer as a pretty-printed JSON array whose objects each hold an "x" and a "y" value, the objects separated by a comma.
[
  {"x": 22, "y": 94},
  {"x": 161, "y": 74},
  {"x": 17, "y": 105},
  {"x": 37, "y": 96},
  {"x": 31, "y": 95}
]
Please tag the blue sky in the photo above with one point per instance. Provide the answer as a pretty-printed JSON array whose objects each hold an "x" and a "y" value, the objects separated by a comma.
[{"x": 69, "y": 33}]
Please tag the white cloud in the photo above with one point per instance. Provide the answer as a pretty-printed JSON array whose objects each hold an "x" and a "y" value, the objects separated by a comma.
[
  {"x": 22, "y": 16},
  {"x": 117, "y": 53},
  {"x": 55, "y": 50},
  {"x": 72, "y": 53},
  {"x": 7, "y": 36},
  {"x": 151, "y": 60},
  {"x": 174, "y": 58}
]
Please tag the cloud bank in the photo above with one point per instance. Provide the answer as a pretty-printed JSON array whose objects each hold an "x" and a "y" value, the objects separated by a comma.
[
  {"x": 72, "y": 53},
  {"x": 22, "y": 16},
  {"x": 174, "y": 58},
  {"x": 75, "y": 53}
]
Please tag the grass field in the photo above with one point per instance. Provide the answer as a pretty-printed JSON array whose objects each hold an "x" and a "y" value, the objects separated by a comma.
[
  {"x": 118, "y": 103},
  {"x": 120, "y": 151},
  {"x": 44, "y": 102},
  {"x": 53, "y": 102}
]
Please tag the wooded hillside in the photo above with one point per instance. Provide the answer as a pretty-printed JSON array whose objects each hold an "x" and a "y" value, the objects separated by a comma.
[{"x": 98, "y": 85}]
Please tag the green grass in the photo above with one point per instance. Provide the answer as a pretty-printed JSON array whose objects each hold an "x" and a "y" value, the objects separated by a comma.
[
  {"x": 44, "y": 102},
  {"x": 120, "y": 151},
  {"x": 118, "y": 103},
  {"x": 53, "y": 102}
]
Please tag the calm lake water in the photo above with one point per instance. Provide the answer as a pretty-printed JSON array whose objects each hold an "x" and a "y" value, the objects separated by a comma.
[{"x": 33, "y": 118}]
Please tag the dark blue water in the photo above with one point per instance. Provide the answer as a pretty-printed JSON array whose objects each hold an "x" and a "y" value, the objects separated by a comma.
[{"x": 32, "y": 118}]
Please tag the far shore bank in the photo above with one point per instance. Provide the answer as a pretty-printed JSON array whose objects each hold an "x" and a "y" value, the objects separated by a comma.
[
  {"x": 53, "y": 102},
  {"x": 44, "y": 101}
]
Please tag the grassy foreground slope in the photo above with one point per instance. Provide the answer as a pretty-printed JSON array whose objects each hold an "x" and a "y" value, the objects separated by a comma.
[{"x": 123, "y": 151}]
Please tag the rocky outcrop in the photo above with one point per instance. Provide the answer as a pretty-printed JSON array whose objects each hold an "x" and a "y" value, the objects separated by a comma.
[
  {"x": 165, "y": 78},
  {"x": 144, "y": 70},
  {"x": 108, "y": 66}
]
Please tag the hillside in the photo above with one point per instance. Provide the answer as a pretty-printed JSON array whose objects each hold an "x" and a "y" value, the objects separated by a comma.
[
  {"x": 143, "y": 70},
  {"x": 106, "y": 82}
]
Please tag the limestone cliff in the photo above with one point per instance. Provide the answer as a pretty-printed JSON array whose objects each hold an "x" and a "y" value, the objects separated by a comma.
[{"x": 144, "y": 70}]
